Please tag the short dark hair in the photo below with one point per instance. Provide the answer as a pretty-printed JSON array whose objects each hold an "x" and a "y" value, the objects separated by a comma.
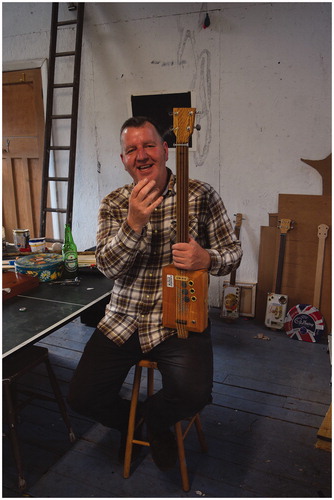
[{"x": 139, "y": 121}]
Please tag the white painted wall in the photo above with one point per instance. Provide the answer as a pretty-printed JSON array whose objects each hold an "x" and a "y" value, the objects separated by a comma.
[{"x": 261, "y": 77}]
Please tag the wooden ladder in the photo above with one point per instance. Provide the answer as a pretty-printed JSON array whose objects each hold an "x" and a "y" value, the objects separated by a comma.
[{"x": 56, "y": 157}]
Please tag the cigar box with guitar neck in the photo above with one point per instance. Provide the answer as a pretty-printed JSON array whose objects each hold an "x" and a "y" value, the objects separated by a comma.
[
  {"x": 231, "y": 293},
  {"x": 277, "y": 302},
  {"x": 184, "y": 293}
]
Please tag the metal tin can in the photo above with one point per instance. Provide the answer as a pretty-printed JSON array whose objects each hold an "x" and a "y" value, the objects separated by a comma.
[{"x": 21, "y": 238}]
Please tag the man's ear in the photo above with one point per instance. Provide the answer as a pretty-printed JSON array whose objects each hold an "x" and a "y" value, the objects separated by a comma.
[{"x": 165, "y": 146}]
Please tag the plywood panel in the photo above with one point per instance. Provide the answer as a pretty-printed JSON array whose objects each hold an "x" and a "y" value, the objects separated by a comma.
[
  {"x": 302, "y": 247},
  {"x": 23, "y": 193},
  {"x": 22, "y": 150},
  {"x": 8, "y": 198},
  {"x": 267, "y": 268}
]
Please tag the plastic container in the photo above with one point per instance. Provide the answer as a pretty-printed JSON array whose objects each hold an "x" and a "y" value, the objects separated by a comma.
[{"x": 37, "y": 245}]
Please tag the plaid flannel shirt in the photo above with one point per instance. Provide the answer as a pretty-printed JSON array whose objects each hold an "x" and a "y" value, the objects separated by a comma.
[{"x": 134, "y": 261}]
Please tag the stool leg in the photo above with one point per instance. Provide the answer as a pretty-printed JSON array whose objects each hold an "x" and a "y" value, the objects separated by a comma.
[
  {"x": 150, "y": 381},
  {"x": 59, "y": 399},
  {"x": 14, "y": 440},
  {"x": 132, "y": 422},
  {"x": 200, "y": 434},
  {"x": 182, "y": 457}
]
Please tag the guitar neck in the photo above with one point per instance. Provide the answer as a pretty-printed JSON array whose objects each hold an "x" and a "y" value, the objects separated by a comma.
[
  {"x": 233, "y": 274},
  {"x": 322, "y": 235},
  {"x": 280, "y": 263},
  {"x": 182, "y": 194}
]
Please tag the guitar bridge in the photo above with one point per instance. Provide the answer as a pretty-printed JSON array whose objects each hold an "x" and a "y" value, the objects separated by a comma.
[{"x": 181, "y": 321}]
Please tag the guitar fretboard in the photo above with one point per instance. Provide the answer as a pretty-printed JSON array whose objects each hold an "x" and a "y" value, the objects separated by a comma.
[
  {"x": 280, "y": 263},
  {"x": 182, "y": 189}
]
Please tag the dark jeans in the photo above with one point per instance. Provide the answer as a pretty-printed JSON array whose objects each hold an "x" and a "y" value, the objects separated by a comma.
[{"x": 185, "y": 364}]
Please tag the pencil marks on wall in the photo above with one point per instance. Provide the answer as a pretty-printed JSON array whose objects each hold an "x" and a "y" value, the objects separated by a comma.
[
  {"x": 204, "y": 118},
  {"x": 201, "y": 84}
]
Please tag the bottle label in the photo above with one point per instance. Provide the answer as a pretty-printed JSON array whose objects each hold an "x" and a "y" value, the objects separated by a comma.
[{"x": 71, "y": 262}]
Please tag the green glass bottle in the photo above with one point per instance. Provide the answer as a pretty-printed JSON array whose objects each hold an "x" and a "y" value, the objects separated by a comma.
[{"x": 70, "y": 255}]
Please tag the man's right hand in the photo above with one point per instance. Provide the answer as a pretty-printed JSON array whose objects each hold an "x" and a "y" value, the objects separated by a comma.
[{"x": 143, "y": 200}]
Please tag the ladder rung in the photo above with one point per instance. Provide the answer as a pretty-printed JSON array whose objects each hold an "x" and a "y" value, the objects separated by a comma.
[
  {"x": 60, "y": 179},
  {"x": 64, "y": 23},
  {"x": 58, "y": 210},
  {"x": 59, "y": 117},
  {"x": 60, "y": 148},
  {"x": 62, "y": 85},
  {"x": 64, "y": 54}
]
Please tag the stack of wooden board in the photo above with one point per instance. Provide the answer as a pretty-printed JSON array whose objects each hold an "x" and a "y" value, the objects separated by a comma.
[
  {"x": 300, "y": 260},
  {"x": 299, "y": 271},
  {"x": 86, "y": 259}
]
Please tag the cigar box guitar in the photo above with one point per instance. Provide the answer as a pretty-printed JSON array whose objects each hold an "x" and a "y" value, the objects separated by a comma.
[
  {"x": 231, "y": 293},
  {"x": 304, "y": 321},
  {"x": 184, "y": 293},
  {"x": 277, "y": 303}
]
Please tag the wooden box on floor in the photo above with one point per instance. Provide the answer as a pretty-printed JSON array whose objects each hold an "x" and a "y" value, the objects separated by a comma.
[{"x": 247, "y": 299}]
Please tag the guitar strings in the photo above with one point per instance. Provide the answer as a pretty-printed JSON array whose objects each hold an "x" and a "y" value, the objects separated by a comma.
[{"x": 182, "y": 232}]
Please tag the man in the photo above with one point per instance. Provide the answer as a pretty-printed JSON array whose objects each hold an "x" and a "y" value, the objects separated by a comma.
[{"x": 135, "y": 239}]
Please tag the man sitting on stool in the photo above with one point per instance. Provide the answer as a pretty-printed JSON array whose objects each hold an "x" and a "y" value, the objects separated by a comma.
[{"x": 135, "y": 239}]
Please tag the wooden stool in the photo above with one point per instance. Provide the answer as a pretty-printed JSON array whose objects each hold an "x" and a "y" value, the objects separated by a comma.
[
  {"x": 179, "y": 433},
  {"x": 14, "y": 367}
]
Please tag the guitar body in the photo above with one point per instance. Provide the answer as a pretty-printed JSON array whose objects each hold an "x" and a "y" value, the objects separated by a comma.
[
  {"x": 276, "y": 310},
  {"x": 185, "y": 302},
  {"x": 231, "y": 301},
  {"x": 231, "y": 292}
]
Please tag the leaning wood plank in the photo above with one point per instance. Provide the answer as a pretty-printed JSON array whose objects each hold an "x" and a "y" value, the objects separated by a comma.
[
  {"x": 324, "y": 167},
  {"x": 325, "y": 431},
  {"x": 324, "y": 445}
]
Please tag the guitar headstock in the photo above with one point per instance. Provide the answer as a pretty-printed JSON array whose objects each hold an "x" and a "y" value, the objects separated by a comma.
[
  {"x": 238, "y": 220},
  {"x": 285, "y": 225},
  {"x": 322, "y": 231},
  {"x": 183, "y": 124}
]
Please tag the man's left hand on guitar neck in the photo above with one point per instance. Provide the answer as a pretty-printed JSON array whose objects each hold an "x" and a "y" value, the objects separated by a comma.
[{"x": 190, "y": 256}]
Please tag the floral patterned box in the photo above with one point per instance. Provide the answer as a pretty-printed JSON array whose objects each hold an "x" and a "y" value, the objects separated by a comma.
[{"x": 46, "y": 266}]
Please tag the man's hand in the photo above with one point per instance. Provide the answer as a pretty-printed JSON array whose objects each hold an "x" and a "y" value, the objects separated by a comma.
[
  {"x": 143, "y": 200},
  {"x": 190, "y": 256}
]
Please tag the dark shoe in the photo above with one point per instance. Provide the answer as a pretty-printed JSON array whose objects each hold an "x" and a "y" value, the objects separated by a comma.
[
  {"x": 163, "y": 449},
  {"x": 136, "y": 448}
]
